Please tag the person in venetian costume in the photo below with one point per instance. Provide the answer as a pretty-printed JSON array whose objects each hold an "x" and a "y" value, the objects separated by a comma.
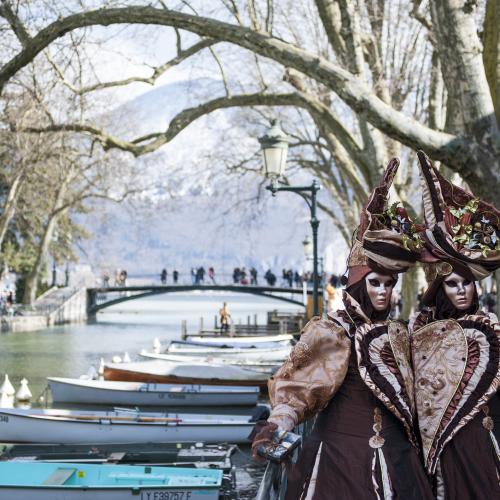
[
  {"x": 352, "y": 372},
  {"x": 455, "y": 347}
]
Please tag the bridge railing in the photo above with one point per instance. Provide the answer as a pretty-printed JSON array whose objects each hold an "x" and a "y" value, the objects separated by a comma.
[{"x": 188, "y": 279}]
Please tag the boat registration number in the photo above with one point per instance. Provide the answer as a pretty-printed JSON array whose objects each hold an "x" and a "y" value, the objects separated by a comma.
[{"x": 166, "y": 495}]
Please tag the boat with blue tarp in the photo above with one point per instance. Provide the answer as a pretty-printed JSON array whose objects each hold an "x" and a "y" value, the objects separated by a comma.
[{"x": 63, "y": 481}]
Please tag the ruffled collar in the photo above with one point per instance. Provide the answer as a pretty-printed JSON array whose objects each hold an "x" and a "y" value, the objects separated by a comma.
[
  {"x": 352, "y": 317},
  {"x": 428, "y": 315}
]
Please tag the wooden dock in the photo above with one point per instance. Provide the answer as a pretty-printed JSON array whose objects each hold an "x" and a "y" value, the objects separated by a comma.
[{"x": 278, "y": 323}]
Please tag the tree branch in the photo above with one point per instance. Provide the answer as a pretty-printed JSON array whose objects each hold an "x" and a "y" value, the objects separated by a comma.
[
  {"x": 158, "y": 71},
  {"x": 458, "y": 152},
  {"x": 353, "y": 91},
  {"x": 15, "y": 23},
  {"x": 157, "y": 139}
]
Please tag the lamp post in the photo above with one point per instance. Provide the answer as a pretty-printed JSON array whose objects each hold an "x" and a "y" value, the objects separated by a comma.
[{"x": 274, "y": 152}]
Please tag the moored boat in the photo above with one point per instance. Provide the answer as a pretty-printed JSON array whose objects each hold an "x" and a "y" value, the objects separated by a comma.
[
  {"x": 257, "y": 364},
  {"x": 197, "y": 455},
  {"x": 63, "y": 481},
  {"x": 247, "y": 341},
  {"x": 119, "y": 426},
  {"x": 109, "y": 392},
  {"x": 269, "y": 353},
  {"x": 161, "y": 371}
]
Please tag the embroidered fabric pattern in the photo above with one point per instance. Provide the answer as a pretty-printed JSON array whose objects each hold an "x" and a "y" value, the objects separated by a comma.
[
  {"x": 458, "y": 365},
  {"x": 439, "y": 354},
  {"x": 377, "y": 442},
  {"x": 399, "y": 338},
  {"x": 378, "y": 376},
  {"x": 485, "y": 379},
  {"x": 301, "y": 354}
]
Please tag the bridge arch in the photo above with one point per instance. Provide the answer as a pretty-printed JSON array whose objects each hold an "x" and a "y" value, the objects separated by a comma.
[{"x": 95, "y": 304}]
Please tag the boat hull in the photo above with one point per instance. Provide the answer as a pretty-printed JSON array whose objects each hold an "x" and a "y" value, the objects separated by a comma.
[
  {"x": 165, "y": 372},
  {"x": 17, "y": 427},
  {"x": 255, "y": 341},
  {"x": 256, "y": 365},
  {"x": 62, "y": 481},
  {"x": 137, "y": 394},
  {"x": 135, "y": 493},
  {"x": 260, "y": 354}
]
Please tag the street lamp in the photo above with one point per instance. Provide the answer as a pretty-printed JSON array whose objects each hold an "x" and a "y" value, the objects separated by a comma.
[
  {"x": 274, "y": 152},
  {"x": 308, "y": 248}
]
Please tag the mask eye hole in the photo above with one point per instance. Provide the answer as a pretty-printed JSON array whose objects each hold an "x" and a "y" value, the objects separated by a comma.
[
  {"x": 451, "y": 283},
  {"x": 374, "y": 282},
  {"x": 389, "y": 283},
  {"x": 467, "y": 282}
]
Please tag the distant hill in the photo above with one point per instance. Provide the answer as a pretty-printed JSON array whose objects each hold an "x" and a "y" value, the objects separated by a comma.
[{"x": 200, "y": 226}]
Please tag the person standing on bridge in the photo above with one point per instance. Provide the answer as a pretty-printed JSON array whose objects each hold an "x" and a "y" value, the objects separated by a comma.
[
  {"x": 175, "y": 276},
  {"x": 163, "y": 277},
  {"x": 211, "y": 275},
  {"x": 253, "y": 276},
  {"x": 224, "y": 318}
]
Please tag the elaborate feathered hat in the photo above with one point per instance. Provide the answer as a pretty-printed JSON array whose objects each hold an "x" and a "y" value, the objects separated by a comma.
[
  {"x": 386, "y": 240},
  {"x": 462, "y": 231}
]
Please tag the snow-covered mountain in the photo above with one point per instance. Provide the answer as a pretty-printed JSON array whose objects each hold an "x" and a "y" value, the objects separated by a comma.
[{"x": 198, "y": 214}]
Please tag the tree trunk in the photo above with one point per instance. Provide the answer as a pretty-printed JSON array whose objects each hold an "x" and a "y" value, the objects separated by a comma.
[
  {"x": 31, "y": 285},
  {"x": 32, "y": 278},
  {"x": 491, "y": 53},
  {"x": 10, "y": 205},
  {"x": 409, "y": 292}
]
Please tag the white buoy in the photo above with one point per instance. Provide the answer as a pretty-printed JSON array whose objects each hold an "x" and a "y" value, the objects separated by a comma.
[
  {"x": 7, "y": 388},
  {"x": 6, "y": 401},
  {"x": 100, "y": 371},
  {"x": 116, "y": 359},
  {"x": 126, "y": 358},
  {"x": 156, "y": 345},
  {"x": 24, "y": 393}
]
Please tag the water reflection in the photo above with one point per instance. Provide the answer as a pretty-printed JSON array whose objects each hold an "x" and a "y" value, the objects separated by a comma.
[{"x": 68, "y": 351}]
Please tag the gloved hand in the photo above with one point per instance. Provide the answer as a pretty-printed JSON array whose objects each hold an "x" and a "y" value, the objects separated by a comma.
[{"x": 262, "y": 435}]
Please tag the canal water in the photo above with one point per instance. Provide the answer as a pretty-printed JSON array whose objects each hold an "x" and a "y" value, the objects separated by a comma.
[{"x": 69, "y": 350}]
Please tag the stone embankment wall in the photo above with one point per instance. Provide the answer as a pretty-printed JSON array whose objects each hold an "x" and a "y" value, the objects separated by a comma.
[
  {"x": 71, "y": 310},
  {"x": 23, "y": 323}
]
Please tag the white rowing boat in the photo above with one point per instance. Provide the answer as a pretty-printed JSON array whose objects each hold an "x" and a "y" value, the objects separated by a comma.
[
  {"x": 271, "y": 353},
  {"x": 167, "y": 372},
  {"x": 119, "y": 426},
  {"x": 71, "y": 390},
  {"x": 258, "y": 365},
  {"x": 241, "y": 341}
]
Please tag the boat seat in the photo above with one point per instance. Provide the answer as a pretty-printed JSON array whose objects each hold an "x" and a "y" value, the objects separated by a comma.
[
  {"x": 116, "y": 457},
  {"x": 59, "y": 477}
]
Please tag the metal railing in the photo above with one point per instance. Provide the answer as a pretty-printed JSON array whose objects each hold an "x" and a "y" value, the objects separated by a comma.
[{"x": 188, "y": 279}]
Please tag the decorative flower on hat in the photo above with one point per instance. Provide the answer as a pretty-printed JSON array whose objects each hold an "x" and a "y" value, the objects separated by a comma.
[
  {"x": 396, "y": 219},
  {"x": 460, "y": 228},
  {"x": 386, "y": 235}
]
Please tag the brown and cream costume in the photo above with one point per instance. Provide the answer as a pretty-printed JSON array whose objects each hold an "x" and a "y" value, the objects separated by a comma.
[
  {"x": 456, "y": 359},
  {"x": 354, "y": 376}
]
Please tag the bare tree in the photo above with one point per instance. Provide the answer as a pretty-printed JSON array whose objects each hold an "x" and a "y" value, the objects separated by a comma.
[
  {"x": 471, "y": 150},
  {"x": 413, "y": 73}
]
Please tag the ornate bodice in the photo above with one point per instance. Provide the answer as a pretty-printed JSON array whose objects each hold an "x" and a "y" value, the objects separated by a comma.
[{"x": 457, "y": 370}]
